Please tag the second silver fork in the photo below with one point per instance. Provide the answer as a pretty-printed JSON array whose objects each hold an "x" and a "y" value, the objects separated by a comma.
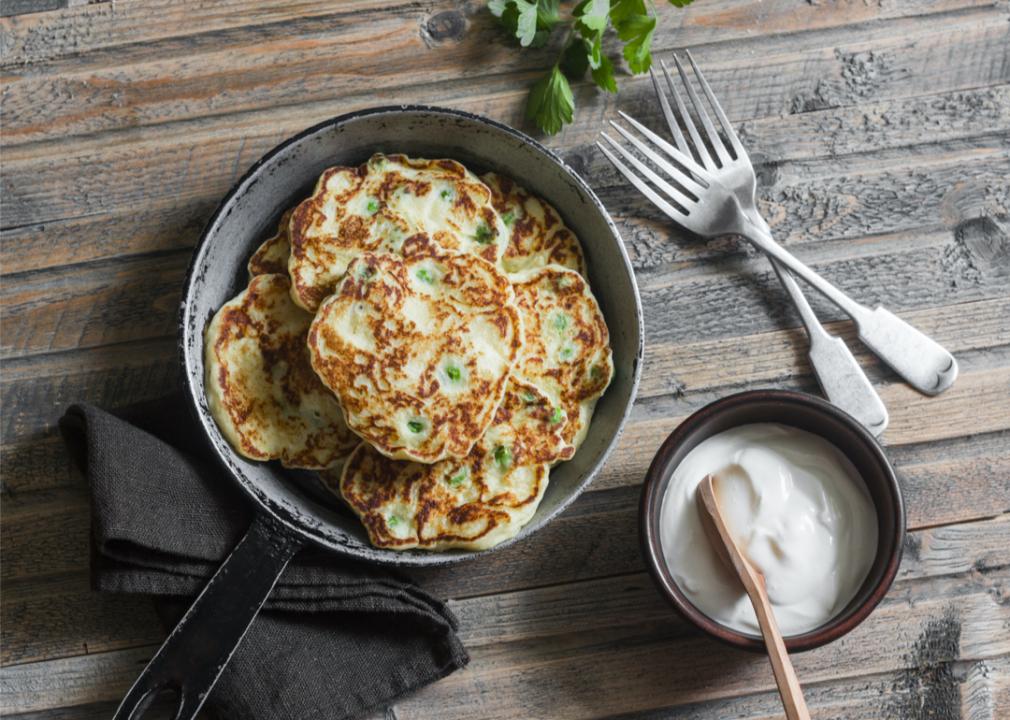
[
  {"x": 839, "y": 375},
  {"x": 698, "y": 198}
]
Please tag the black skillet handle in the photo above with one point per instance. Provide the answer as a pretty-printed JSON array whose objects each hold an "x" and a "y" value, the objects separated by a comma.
[{"x": 201, "y": 644}]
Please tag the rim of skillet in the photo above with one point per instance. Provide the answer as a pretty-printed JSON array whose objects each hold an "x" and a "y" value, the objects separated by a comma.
[
  {"x": 277, "y": 511},
  {"x": 650, "y": 506}
]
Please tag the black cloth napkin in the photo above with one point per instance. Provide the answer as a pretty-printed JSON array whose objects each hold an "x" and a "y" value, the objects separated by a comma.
[{"x": 335, "y": 639}]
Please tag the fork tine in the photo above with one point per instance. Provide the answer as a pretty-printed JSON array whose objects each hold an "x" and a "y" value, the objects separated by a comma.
[
  {"x": 692, "y": 130},
  {"x": 723, "y": 120},
  {"x": 695, "y": 171},
  {"x": 671, "y": 120},
  {"x": 677, "y": 194},
  {"x": 706, "y": 121},
  {"x": 678, "y": 175},
  {"x": 674, "y": 213}
]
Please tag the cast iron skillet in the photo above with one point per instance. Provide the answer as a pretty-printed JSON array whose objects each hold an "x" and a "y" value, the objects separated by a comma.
[{"x": 290, "y": 513}]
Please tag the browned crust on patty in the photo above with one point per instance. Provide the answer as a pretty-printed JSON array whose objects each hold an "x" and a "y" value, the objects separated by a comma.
[
  {"x": 374, "y": 207},
  {"x": 271, "y": 258},
  {"x": 399, "y": 377},
  {"x": 542, "y": 296},
  {"x": 537, "y": 235},
  {"x": 470, "y": 503},
  {"x": 260, "y": 384}
]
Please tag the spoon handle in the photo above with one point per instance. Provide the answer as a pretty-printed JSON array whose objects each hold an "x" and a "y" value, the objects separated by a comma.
[
  {"x": 753, "y": 582},
  {"x": 782, "y": 667}
]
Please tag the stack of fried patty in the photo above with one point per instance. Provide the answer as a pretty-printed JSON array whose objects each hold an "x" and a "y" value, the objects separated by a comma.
[{"x": 424, "y": 338}]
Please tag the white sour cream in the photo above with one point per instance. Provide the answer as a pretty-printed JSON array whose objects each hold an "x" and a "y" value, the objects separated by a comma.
[{"x": 798, "y": 509}]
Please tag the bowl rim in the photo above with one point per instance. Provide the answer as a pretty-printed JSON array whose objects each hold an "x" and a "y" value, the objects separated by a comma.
[
  {"x": 651, "y": 548},
  {"x": 188, "y": 342}
]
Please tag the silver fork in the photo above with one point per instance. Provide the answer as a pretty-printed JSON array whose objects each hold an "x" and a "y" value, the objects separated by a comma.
[
  {"x": 841, "y": 378},
  {"x": 701, "y": 199}
]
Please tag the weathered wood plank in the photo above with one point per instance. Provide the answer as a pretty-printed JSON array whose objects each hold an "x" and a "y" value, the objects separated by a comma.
[
  {"x": 632, "y": 599},
  {"x": 599, "y": 535},
  {"x": 187, "y": 162},
  {"x": 644, "y": 667},
  {"x": 47, "y": 536},
  {"x": 103, "y": 236},
  {"x": 82, "y": 32},
  {"x": 742, "y": 295},
  {"x": 23, "y": 7},
  {"x": 851, "y": 204},
  {"x": 159, "y": 710},
  {"x": 967, "y": 614},
  {"x": 110, "y": 376},
  {"x": 980, "y": 686},
  {"x": 983, "y": 397},
  {"x": 39, "y": 389},
  {"x": 217, "y": 73},
  {"x": 47, "y": 617},
  {"x": 85, "y": 30},
  {"x": 921, "y": 121},
  {"x": 93, "y": 305},
  {"x": 35, "y": 464},
  {"x": 68, "y": 619},
  {"x": 968, "y": 690},
  {"x": 675, "y": 368},
  {"x": 71, "y": 681}
]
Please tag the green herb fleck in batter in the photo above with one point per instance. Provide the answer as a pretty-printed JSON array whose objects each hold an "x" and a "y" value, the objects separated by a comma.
[
  {"x": 503, "y": 456},
  {"x": 483, "y": 234}
]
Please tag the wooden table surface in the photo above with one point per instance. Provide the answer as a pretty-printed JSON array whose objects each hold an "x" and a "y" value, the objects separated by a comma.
[{"x": 881, "y": 130}]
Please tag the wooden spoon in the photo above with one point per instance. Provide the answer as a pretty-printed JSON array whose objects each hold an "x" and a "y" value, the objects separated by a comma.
[{"x": 754, "y": 583}]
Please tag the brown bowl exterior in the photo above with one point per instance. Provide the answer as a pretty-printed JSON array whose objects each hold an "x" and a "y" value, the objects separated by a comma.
[{"x": 805, "y": 412}]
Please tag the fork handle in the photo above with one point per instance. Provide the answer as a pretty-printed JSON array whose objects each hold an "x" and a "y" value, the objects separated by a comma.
[
  {"x": 841, "y": 378},
  {"x": 916, "y": 357}
]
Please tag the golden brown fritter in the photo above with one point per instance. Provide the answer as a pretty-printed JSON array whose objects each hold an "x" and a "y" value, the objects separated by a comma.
[
  {"x": 566, "y": 345},
  {"x": 271, "y": 258},
  {"x": 537, "y": 235},
  {"x": 260, "y": 386},
  {"x": 471, "y": 503},
  {"x": 418, "y": 349},
  {"x": 376, "y": 207}
]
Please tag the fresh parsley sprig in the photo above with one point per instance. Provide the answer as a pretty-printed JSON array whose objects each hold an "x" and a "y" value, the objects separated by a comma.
[{"x": 551, "y": 104}]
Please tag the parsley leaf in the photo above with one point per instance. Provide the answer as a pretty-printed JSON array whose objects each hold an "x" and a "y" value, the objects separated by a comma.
[
  {"x": 622, "y": 9},
  {"x": 596, "y": 52},
  {"x": 636, "y": 31},
  {"x": 603, "y": 76},
  {"x": 529, "y": 21},
  {"x": 551, "y": 103},
  {"x": 526, "y": 23},
  {"x": 575, "y": 59},
  {"x": 591, "y": 17},
  {"x": 548, "y": 13}
]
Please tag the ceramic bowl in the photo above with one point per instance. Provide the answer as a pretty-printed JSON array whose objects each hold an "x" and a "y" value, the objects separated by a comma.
[{"x": 808, "y": 413}]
